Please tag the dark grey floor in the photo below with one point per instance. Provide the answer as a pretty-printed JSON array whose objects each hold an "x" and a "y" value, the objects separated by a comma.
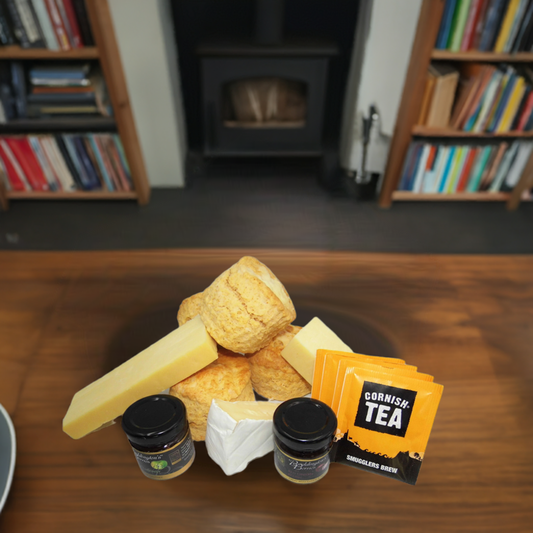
[{"x": 274, "y": 212}]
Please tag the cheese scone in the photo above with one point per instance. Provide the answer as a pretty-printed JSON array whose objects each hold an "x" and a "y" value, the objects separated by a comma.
[
  {"x": 246, "y": 307},
  {"x": 272, "y": 376},
  {"x": 189, "y": 308},
  {"x": 227, "y": 378}
]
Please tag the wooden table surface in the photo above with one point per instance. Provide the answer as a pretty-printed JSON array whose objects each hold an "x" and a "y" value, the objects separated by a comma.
[{"x": 67, "y": 318}]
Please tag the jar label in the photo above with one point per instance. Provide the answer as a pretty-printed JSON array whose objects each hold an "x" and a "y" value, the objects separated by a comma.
[
  {"x": 167, "y": 463},
  {"x": 300, "y": 470}
]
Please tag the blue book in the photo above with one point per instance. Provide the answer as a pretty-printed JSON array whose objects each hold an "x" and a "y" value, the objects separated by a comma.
[
  {"x": 407, "y": 167},
  {"x": 73, "y": 154},
  {"x": 60, "y": 72},
  {"x": 492, "y": 25},
  {"x": 86, "y": 163},
  {"x": 472, "y": 120},
  {"x": 410, "y": 183},
  {"x": 503, "y": 103},
  {"x": 447, "y": 168},
  {"x": 103, "y": 169},
  {"x": 445, "y": 24}
]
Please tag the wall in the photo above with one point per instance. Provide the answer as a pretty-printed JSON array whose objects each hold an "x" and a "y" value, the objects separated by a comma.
[
  {"x": 383, "y": 42},
  {"x": 145, "y": 39}
]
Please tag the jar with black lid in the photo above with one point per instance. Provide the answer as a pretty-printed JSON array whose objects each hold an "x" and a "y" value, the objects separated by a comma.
[
  {"x": 158, "y": 431},
  {"x": 303, "y": 437}
]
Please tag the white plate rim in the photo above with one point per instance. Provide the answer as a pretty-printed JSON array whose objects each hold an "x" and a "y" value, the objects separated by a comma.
[{"x": 11, "y": 427}]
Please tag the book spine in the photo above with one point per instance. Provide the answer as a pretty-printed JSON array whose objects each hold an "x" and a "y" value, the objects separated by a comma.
[
  {"x": 459, "y": 29},
  {"x": 83, "y": 22},
  {"x": 103, "y": 170},
  {"x": 30, "y": 24},
  {"x": 23, "y": 156},
  {"x": 528, "y": 108},
  {"x": 49, "y": 35},
  {"x": 18, "y": 27},
  {"x": 480, "y": 25},
  {"x": 98, "y": 139},
  {"x": 453, "y": 23},
  {"x": 76, "y": 39},
  {"x": 115, "y": 161},
  {"x": 506, "y": 26},
  {"x": 475, "y": 177},
  {"x": 445, "y": 25},
  {"x": 57, "y": 23},
  {"x": 491, "y": 23},
  {"x": 43, "y": 162},
  {"x": 19, "y": 87},
  {"x": 67, "y": 178},
  {"x": 66, "y": 23},
  {"x": 14, "y": 173},
  {"x": 518, "y": 18},
  {"x": 6, "y": 35},
  {"x": 470, "y": 25},
  {"x": 94, "y": 182},
  {"x": 123, "y": 159},
  {"x": 84, "y": 179}
]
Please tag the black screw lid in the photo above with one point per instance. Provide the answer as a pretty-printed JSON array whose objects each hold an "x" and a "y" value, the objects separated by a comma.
[
  {"x": 155, "y": 420},
  {"x": 304, "y": 424}
]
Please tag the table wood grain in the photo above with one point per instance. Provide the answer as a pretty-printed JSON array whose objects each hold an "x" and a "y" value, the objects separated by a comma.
[{"x": 67, "y": 318}]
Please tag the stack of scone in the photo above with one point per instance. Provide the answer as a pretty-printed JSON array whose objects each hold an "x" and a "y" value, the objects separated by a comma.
[{"x": 248, "y": 313}]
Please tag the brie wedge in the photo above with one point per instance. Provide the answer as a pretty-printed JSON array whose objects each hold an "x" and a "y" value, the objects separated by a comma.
[{"x": 239, "y": 432}]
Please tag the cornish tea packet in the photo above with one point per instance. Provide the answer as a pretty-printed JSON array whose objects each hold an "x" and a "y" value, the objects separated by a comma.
[{"x": 384, "y": 422}]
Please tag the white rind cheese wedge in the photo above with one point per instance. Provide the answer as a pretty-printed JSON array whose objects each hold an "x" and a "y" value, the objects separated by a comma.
[
  {"x": 239, "y": 432},
  {"x": 300, "y": 353},
  {"x": 170, "y": 360}
]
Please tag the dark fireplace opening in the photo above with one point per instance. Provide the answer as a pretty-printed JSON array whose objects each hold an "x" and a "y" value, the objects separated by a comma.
[{"x": 264, "y": 79}]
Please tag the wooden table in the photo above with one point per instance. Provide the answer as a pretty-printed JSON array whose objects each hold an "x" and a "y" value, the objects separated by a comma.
[{"x": 67, "y": 318}]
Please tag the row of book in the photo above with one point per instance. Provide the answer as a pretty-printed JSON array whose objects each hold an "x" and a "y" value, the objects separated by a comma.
[
  {"x": 486, "y": 25},
  {"x": 52, "y": 24},
  {"x": 492, "y": 99},
  {"x": 53, "y": 89},
  {"x": 64, "y": 162},
  {"x": 440, "y": 168}
]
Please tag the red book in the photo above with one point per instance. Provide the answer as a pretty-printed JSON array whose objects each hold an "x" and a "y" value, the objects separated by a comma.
[
  {"x": 17, "y": 183},
  {"x": 479, "y": 25},
  {"x": 470, "y": 24},
  {"x": 57, "y": 23},
  {"x": 22, "y": 150},
  {"x": 528, "y": 108},
  {"x": 463, "y": 178},
  {"x": 431, "y": 157},
  {"x": 71, "y": 22}
]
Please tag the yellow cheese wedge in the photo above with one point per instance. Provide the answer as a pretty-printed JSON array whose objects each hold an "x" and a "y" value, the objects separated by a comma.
[
  {"x": 170, "y": 360},
  {"x": 300, "y": 353}
]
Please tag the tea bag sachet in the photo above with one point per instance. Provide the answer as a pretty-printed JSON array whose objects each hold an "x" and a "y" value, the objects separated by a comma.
[{"x": 384, "y": 422}]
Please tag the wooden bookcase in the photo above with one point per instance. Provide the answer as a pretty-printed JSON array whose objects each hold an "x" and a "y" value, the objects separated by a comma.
[
  {"x": 107, "y": 53},
  {"x": 406, "y": 124}
]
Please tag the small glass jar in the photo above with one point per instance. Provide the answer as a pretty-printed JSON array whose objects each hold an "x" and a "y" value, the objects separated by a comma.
[
  {"x": 158, "y": 431},
  {"x": 303, "y": 437}
]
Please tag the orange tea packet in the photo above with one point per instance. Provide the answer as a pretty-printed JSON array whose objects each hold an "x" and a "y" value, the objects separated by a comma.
[
  {"x": 345, "y": 366},
  {"x": 384, "y": 422},
  {"x": 334, "y": 355}
]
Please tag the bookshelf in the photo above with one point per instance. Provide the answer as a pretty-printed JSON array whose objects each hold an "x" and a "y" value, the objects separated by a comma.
[
  {"x": 107, "y": 53},
  {"x": 407, "y": 129}
]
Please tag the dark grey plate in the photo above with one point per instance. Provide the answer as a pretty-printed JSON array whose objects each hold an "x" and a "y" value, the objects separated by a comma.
[{"x": 8, "y": 452}]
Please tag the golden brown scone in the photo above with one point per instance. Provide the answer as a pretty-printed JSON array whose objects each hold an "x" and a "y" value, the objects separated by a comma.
[
  {"x": 189, "y": 308},
  {"x": 227, "y": 378},
  {"x": 246, "y": 307},
  {"x": 272, "y": 376}
]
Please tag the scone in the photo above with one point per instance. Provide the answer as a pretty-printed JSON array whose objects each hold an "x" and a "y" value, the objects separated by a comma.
[
  {"x": 246, "y": 307},
  {"x": 272, "y": 376},
  {"x": 227, "y": 378},
  {"x": 189, "y": 308}
]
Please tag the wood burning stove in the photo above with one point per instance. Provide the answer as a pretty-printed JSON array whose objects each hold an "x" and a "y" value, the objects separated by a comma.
[{"x": 265, "y": 97}]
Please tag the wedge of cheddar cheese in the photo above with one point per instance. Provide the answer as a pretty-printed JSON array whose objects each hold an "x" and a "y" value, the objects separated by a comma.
[
  {"x": 173, "y": 358},
  {"x": 300, "y": 353}
]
